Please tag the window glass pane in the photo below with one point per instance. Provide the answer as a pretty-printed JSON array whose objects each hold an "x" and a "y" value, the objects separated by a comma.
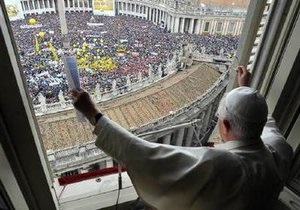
[{"x": 120, "y": 59}]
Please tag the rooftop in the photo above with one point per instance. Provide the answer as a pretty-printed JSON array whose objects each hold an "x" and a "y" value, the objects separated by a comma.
[{"x": 61, "y": 129}]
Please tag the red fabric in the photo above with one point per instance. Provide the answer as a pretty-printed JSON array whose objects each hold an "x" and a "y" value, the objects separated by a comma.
[{"x": 64, "y": 180}]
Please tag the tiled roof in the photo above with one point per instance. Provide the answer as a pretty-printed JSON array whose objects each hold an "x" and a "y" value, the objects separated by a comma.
[{"x": 131, "y": 110}]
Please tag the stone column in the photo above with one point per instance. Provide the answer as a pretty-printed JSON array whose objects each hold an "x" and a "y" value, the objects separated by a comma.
[
  {"x": 191, "y": 26},
  {"x": 22, "y": 5},
  {"x": 212, "y": 28},
  {"x": 198, "y": 26},
  {"x": 224, "y": 23},
  {"x": 68, "y": 4},
  {"x": 43, "y": 4},
  {"x": 161, "y": 16},
  {"x": 53, "y": 3},
  {"x": 222, "y": 26},
  {"x": 168, "y": 22},
  {"x": 236, "y": 28},
  {"x": 147, "y": 13},
  {"x": 33, "y": 4},
  {"x": 48, "y": 3},
  {"x": 203, "y": 26},
  {"x": 179, "y": 137},
  {"x": 153, "y": 14},
  {"x": 29, "y": 7},
  {"x": 189, "y": 136},
  {"x": 182, "y": 25},
  {"x": 227, "y": 25},
  {"x": 38, "y": 5},
  {"x": 167, "y": 139},
  {"x": 63, "y": 24},
  {"x": 73, "y": 3},
  {"x": 242, "y": 26},
  {"x": 171, "y": 23},
  {"x": 176, "y": 25},
  {"x": 156, "y": 18}
]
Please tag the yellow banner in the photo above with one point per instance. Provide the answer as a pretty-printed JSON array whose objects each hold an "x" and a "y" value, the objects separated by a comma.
[
  {"x": 14, "y": 9},
  {"x": 37, "y": 45},
  {"x": 103, "y": 7}
]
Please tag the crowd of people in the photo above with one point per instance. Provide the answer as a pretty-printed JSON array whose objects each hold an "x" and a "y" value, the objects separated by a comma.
[{"x": 107, "y": 49}]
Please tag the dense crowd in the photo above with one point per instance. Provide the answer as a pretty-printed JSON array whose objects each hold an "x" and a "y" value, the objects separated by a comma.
[{"x": 123, "y": 46}]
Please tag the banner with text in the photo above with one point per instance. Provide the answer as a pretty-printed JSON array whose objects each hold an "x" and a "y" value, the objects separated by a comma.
[
  {"x": 104, "y": 7},
  {"x": 14, "y": 9}
]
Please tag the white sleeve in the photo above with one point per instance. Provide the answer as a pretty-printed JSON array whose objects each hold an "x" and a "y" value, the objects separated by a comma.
[
  {"x": 153, "y": 168},
  {"x": 277, "y": 145},
  {"x": 271, "y": 131}
]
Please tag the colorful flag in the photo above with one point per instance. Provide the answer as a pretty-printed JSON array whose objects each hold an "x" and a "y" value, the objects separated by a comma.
[{"x": 37, "y": 45}]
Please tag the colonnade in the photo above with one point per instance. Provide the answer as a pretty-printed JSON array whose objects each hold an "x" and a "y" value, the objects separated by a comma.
[
  {"x": 175, "y": 22},
  {"x": 38, "y": 6},
  {"x": 50, "y": 6}
]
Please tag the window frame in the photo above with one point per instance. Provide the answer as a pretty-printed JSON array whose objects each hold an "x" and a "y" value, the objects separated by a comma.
[{"x": 18, "y": 128}]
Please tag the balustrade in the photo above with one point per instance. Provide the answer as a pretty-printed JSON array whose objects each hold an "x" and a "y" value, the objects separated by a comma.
[{"x": 44, "y": 108}]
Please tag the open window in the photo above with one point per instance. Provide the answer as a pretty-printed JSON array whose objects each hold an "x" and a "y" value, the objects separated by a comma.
[{"x": 20, "y": 135}]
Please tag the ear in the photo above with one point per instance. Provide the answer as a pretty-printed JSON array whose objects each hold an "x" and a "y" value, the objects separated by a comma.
[{"x": 225, "y": 127}]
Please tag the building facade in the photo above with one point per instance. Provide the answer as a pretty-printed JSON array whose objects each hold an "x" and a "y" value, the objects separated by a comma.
[{"x": 176, "y": 17}]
